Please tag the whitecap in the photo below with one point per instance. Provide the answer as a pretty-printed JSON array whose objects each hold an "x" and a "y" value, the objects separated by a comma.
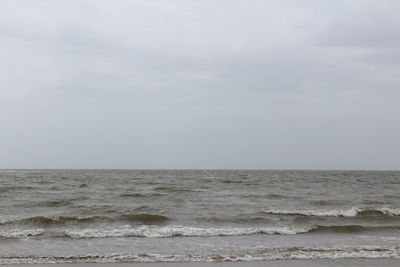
[{"x": 173, "y": 231}]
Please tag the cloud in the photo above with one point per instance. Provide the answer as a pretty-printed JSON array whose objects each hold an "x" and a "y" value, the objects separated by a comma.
[{"x": 216, "y": 84}]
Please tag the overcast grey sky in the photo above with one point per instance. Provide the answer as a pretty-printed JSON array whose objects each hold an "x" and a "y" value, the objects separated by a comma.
[{"x": 200, "y": 84}]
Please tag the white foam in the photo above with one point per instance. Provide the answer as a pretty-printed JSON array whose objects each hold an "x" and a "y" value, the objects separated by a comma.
[
  {"x": 17, "y": 233},
  {"x": 198, "y": 190},
  {"x": 262, "y": 255},
  {"x": 390, "y": 211},
  {"x": 170, "y": 231},
  {"x": 343, "y": 212}
]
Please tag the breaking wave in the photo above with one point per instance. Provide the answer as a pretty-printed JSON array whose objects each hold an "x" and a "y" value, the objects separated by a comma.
[
  {"x": 181, "y": 231},
  {"x": 20, "y": 233},
  {"x": 344, "y": 212},
  {"x": 245, "y": 256},
  {"x": 49, "y": 220},
  {"x": 175, "y": 231},
  {"x": 154, "y": 231},
  {"x": 351, "y": 228}
]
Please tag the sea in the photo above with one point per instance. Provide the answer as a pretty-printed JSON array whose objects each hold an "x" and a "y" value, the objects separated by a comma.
[{"x": 79, "y": 216}]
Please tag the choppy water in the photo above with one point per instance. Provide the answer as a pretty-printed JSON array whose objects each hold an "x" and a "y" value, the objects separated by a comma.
[{"x": 146, "y": 216}]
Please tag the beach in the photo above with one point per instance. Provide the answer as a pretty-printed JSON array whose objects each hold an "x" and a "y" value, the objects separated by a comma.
[{"x": 281, "y": 263}]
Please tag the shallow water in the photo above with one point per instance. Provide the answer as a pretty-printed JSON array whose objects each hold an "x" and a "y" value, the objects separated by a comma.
[{"x": 189, "y": 215}]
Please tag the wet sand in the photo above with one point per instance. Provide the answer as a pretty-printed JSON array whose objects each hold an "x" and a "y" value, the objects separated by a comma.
[{"x": 276, "y": 263}]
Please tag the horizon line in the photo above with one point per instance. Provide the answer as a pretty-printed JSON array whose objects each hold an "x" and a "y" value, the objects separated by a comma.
[{"x": 191, "y": 169}]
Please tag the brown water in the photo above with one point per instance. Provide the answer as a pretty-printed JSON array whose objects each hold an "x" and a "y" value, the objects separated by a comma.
[{"x": 189, "y": 215}]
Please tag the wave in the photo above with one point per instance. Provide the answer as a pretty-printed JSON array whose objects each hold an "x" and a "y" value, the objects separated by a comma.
[
  {"x": 20, "y": 233},
  {"x": 5, "y": 189},
  {"x": 326, "y": 202},
  {"x": 235, "y": 219},
  {"x": 133, "y": 195},
  {"x": 351, "y": 228},
  {"x": 276, "y": 196},
  {"x": 175, "y": 231},
  {"x": 50, "y": 220},
  {"x": 344, "y": 212},
  {"x": 181, "y": 231},
  {"x": 44, "y": 220},
  {"x": 143, "y": 218},
  {"x": 153, "y": 231},
  {"x": 138, "y": 195},
  {"x": 290, "y": 253},
  {"x": 173, "y": 189},
  {"x": 53, "y": 203}
]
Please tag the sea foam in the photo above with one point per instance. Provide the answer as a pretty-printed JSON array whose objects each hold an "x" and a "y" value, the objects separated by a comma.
[
  {"x": 239, "y": 256},
  {"x": 173, "y": 231},
  {"x": 19, "y": 233},
  {"x": 339, "y": 212}
]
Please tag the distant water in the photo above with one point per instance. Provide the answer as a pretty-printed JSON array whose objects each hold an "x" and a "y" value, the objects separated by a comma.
[{"x": 49, "y": 216}]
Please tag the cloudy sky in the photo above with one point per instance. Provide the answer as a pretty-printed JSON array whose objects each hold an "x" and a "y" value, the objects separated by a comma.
[{"x": 200, "y": 84}]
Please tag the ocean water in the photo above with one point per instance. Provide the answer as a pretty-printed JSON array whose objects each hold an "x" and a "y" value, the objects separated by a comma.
[{"x": 49, "y": 216}]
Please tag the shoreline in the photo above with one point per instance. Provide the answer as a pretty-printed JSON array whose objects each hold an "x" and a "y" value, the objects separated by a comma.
[{"x": 272, "y": 263}]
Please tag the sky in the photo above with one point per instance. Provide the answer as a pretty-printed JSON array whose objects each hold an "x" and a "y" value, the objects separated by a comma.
[{"x": 211, "y": 84}]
